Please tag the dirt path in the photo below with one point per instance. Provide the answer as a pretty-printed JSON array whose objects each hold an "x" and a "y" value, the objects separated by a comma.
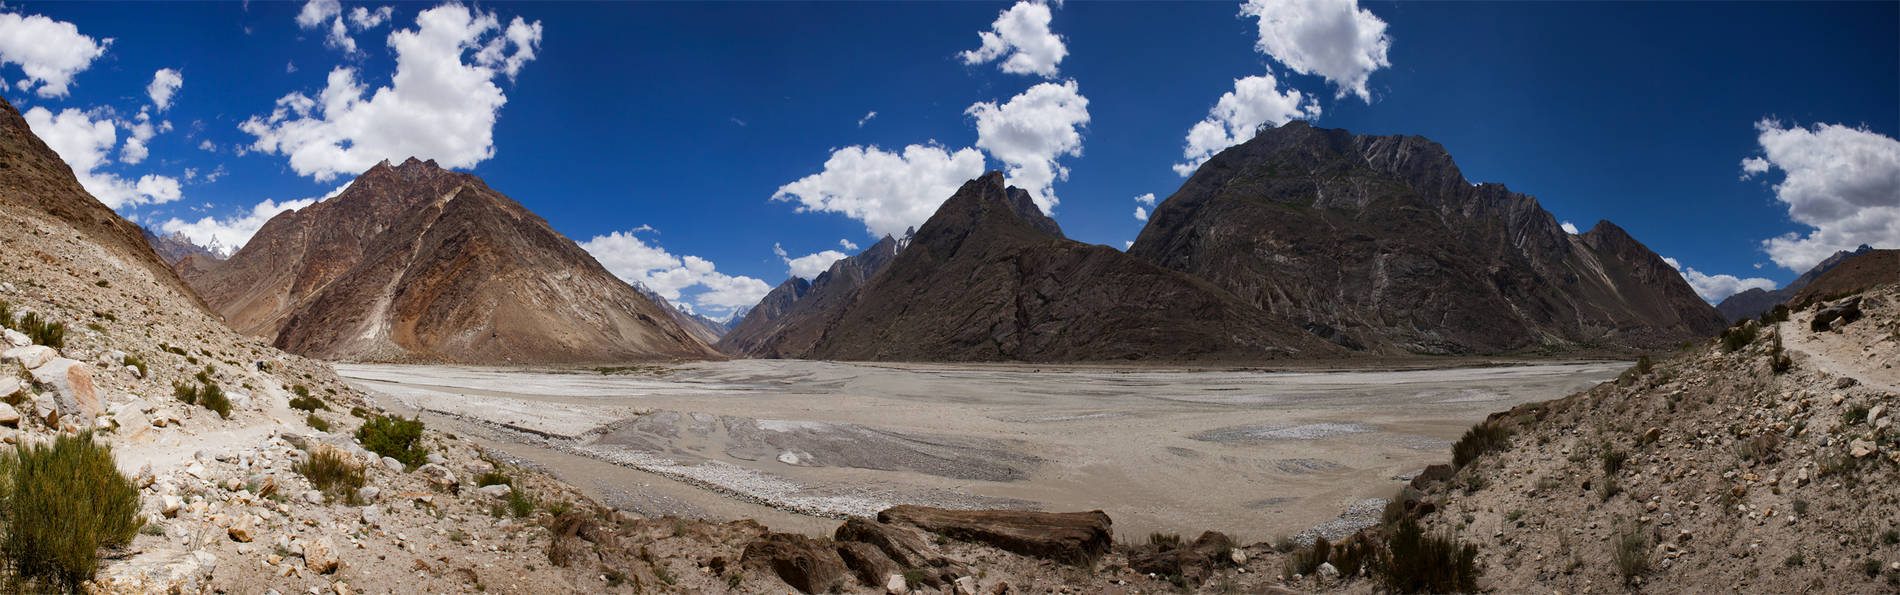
[{"x": 1863, "y": 350}]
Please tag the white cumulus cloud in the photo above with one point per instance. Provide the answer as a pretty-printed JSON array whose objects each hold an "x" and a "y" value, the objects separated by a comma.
[
  {"x": 847, "y": 244},
  {"x": 1714, "y": 288},
  {"x": 49, "y": 52},
  {"x": 867, "y": 118},
  {"x": 1141, "y": 214},
  {"x": 227, "y": 234},
  {"x": 1030, "y": 132},
  {"x": 1255, "y": 100},
  {"x": 1843, "y": 182},
  {"x": 1146, "y": 199},
  {"x": 165, "y": 83},
  {"x": 1334, "y": 39},
  {"x": 809, "y": 265},
  {"x": 86, "y": 144},
  {"x": 441, "y": 104},
  {"x": 651, "y": 266},
  {"x": 1022, "y": 34},
  {"x": 317, "y": 12},
  {"x": 887, "y": 191}
]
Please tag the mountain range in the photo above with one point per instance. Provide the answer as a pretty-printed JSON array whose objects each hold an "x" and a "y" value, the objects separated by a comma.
[
  {"x": 417, "y": 263},
  {"x": 1754, "y": 301}
]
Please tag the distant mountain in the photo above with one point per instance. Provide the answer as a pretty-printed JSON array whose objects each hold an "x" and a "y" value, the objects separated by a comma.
[
  {"x": 416, "y": 263},
  {"x": 1752, "y": 303},
  {"x": 1855, "y": 274},
  {"x": 1378, "y": 243},
  {"x": 175, "y": 247},
  {"x": 795, "y": 300},
  {"x": 705, "y": 329},
  {"x": 991, "y": 278}
]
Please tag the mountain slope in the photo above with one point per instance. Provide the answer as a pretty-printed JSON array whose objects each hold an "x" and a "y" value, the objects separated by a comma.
[
  {"x": 824, "y": 294},
  {"x": 990, "y": 278},
  {"x": 1379, "y": 243},
  {"x": 1865, "y": 269},
  {"x": 1753, "y": 302},
  {"x": 414, "y": 262}
]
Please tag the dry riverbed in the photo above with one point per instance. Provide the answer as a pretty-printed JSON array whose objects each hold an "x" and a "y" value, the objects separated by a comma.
[{"x": 796, "y": 444}]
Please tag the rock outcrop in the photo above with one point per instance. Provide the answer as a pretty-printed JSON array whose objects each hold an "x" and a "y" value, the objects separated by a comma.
[
  {"x": 1068, "y": 537},
  {"x": 1853, "y": 275},
  {"x": 990, "y": 278},
  {"x": 1379, "y": 244},
  {"x": 1753, "y": 302},
  {"x": 414, "y": 262}
]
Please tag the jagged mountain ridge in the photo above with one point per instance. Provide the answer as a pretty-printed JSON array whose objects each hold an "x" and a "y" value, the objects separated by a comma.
[
  {"x": 990, "y": 278},
  {"x": 796, "y": 299},
  {"x": 417, "y": 263},
  {"x": 175, "y": 247},
  {"x": 1754, "y": 301},
  {"x": 1378, "y": 243}
]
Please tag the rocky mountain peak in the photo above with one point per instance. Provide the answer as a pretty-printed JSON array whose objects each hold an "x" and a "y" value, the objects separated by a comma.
[{"x": 984, "y": 203}]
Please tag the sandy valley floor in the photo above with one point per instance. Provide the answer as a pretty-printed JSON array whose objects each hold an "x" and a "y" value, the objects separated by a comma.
[{"x": 1257, "y": 454}]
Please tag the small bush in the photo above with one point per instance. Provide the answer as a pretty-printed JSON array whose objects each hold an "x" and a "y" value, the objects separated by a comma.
[
  {"x": 1739, "y": 336},
  {"x": 1870, "y": 567},
  {"x": 1480, "y": 439},
  {"x": 308, "y": 403},
  {"x": 64, "y": 501},
  {"x": 6, "y": 314},
  {"x": 184, "y": 391},
  {"x": 137, "y": 363},
  {"x": 1612, "y": 459},
  {"x": 493, "y": 478},
  {"x": 1164, "y": 541},
  {"x": 300, "y": 390},
  {"x": 1307, "y": 560},
  {"x": 1779, "y": 313},
  {"x": 1856, "y": 414},
  {"x": 394, "y": 437},
  {"x": 520, "y": 503},
  {"x": 333, "y": 473},
  {"x": 42, "y": 331},
  {"x": 359, "y": 412},
  {"x": 1413, "y": 562},
  {"x": 317, "y": 423},
  {"x": 212, "y": 397},
  {"x": 1632, "y": 553}
]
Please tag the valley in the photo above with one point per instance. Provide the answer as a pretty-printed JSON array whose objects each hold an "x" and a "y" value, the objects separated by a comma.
[{"x": 1259, "y": 454}]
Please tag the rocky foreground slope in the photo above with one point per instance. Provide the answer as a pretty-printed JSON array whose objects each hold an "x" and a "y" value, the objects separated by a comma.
[
  {"x": 416, "y": 263},
  {"x": 1764, "y": 461},
  {"x": 989, "y": 277},
  {"x": 1379, "y": 244},
  {"x": 1753, "y": 302}
]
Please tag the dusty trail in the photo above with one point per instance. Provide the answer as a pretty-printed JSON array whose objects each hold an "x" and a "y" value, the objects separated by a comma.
[{"x": 1263, "y": 454}]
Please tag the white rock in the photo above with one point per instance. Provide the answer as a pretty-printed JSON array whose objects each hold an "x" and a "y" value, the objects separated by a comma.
[
  {"x": 16, "y": 338},
  {"x": 392, "y": 464},
  {"x": 9, "y": 416},
  {"x": 966, "y": 585},
  {"x": 435, "y": 458},
  {"x": 895, "y": 585},
  {"x": 319, "y": 555},
  {"x": 1326, "y": 571},
  {"x": 372, "y": 515},
  {"x": 368, "y": 493},
  {"x": 72, "y": 389},
  {"x": 495, "y": 491},
  {"x": 169, "y": 505},
  {"x": 10, "y": 386},
  {"x": 437, "y": 474},
  {"x": 158, "y": 571},
  {"x": 31, "y": 356}
]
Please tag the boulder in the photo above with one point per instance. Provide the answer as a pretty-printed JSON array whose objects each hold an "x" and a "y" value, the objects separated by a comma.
[
  {"x": 1194, "y": 562},
  {"x": 867, "y": 562},
  {"x": 1431, "y": 474},
  {"x": 10, "y": 386},
  {"x": 1327, "y": 572},
  {"x": 437, "y": 474},
  {"x": 319, "y": 555},
  {"x": 9, "y": 416},
  {"x": 896, "y": 585},
  {"x": 31, "y": 356},
  {"x": 74, "y": 395},
  {"x": 1846, "y": 311},
  {"x": 15, "y": 338},
  {"x": 809, "y": 565},
  {"x": 1067, "y": 537},
  {"x": 156, "y": 571},
  {"x": 906, "y": 546},
  {"x": 244, "y": 529},
  {"x": 495, "y": 491}
]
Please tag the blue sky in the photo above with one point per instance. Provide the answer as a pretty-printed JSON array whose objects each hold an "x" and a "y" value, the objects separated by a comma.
[{"x": 659, "y": 134}]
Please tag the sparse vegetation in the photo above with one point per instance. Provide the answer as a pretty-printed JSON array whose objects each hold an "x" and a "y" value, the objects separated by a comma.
[
  {"x": 1413, "y": 562},
  {"x": 333, "y": 473},
  {"x": 1739, "y": 336},
  {"x": 1306, "y": 560},
  {"x": 308, "y": 403},
  {"x": 493, "y": 478},
  {"x": 1480, "y": 439},
  {"x": 42, "y": 331},
  {"x": 64, "y": 501},
  {"x": 394, "y": 437},
  {"x": 137, "y": 363},
  {"x": 1632, "y": 552},
  {"x": 208, "y": 394},
  {"x": 520, "y": 503},
  {"x": 317, "y": 423}
]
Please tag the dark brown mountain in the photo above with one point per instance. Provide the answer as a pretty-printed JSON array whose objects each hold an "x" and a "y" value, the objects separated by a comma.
[
  {"x": 990, "y": 278},
  {"x": 1853, "y": 275},
  {"x": 1752, "y": 303},
  {"x": 176, "y": 247},
  {"x": 1378, "y": 243},
  {"x": 751, "y": 336},
  {"x": 417, "y": 263},
  {"x": 34, "y": 180}
]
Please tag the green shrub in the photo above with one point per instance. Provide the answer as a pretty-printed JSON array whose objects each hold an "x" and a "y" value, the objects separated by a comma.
[
  {"x": 184, "y": 391},
  {"x": 333, "y": 473},
  {"x": 1739, "y": 336},
  {"x": 135, "y": 362},
  {"x": 63, "y": 502},
  {"x": 520, "y": 503},
  {"x": 493, "y": 478},
  {"x": 308, "y": 403},
  {"x": 1480, "y": 439},
  {"x": 1413, "y": 562},
  {"x": 6, "y": 314},
  {"x": 360, "y": 412},
  {"x": 317, "y": 423},
  {"x": 300, "y": 390},
  {"x": 42, "y": 331},
  {"x": 212, "y": 397},
  {"x": 1612, "y": 459},
  {"x": 394, "y": 437},
  {"x": 1164, "y": 541}
]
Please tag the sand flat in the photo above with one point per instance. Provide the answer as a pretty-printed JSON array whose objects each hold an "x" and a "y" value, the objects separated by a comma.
[{"x": 1259, "y": 453}]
